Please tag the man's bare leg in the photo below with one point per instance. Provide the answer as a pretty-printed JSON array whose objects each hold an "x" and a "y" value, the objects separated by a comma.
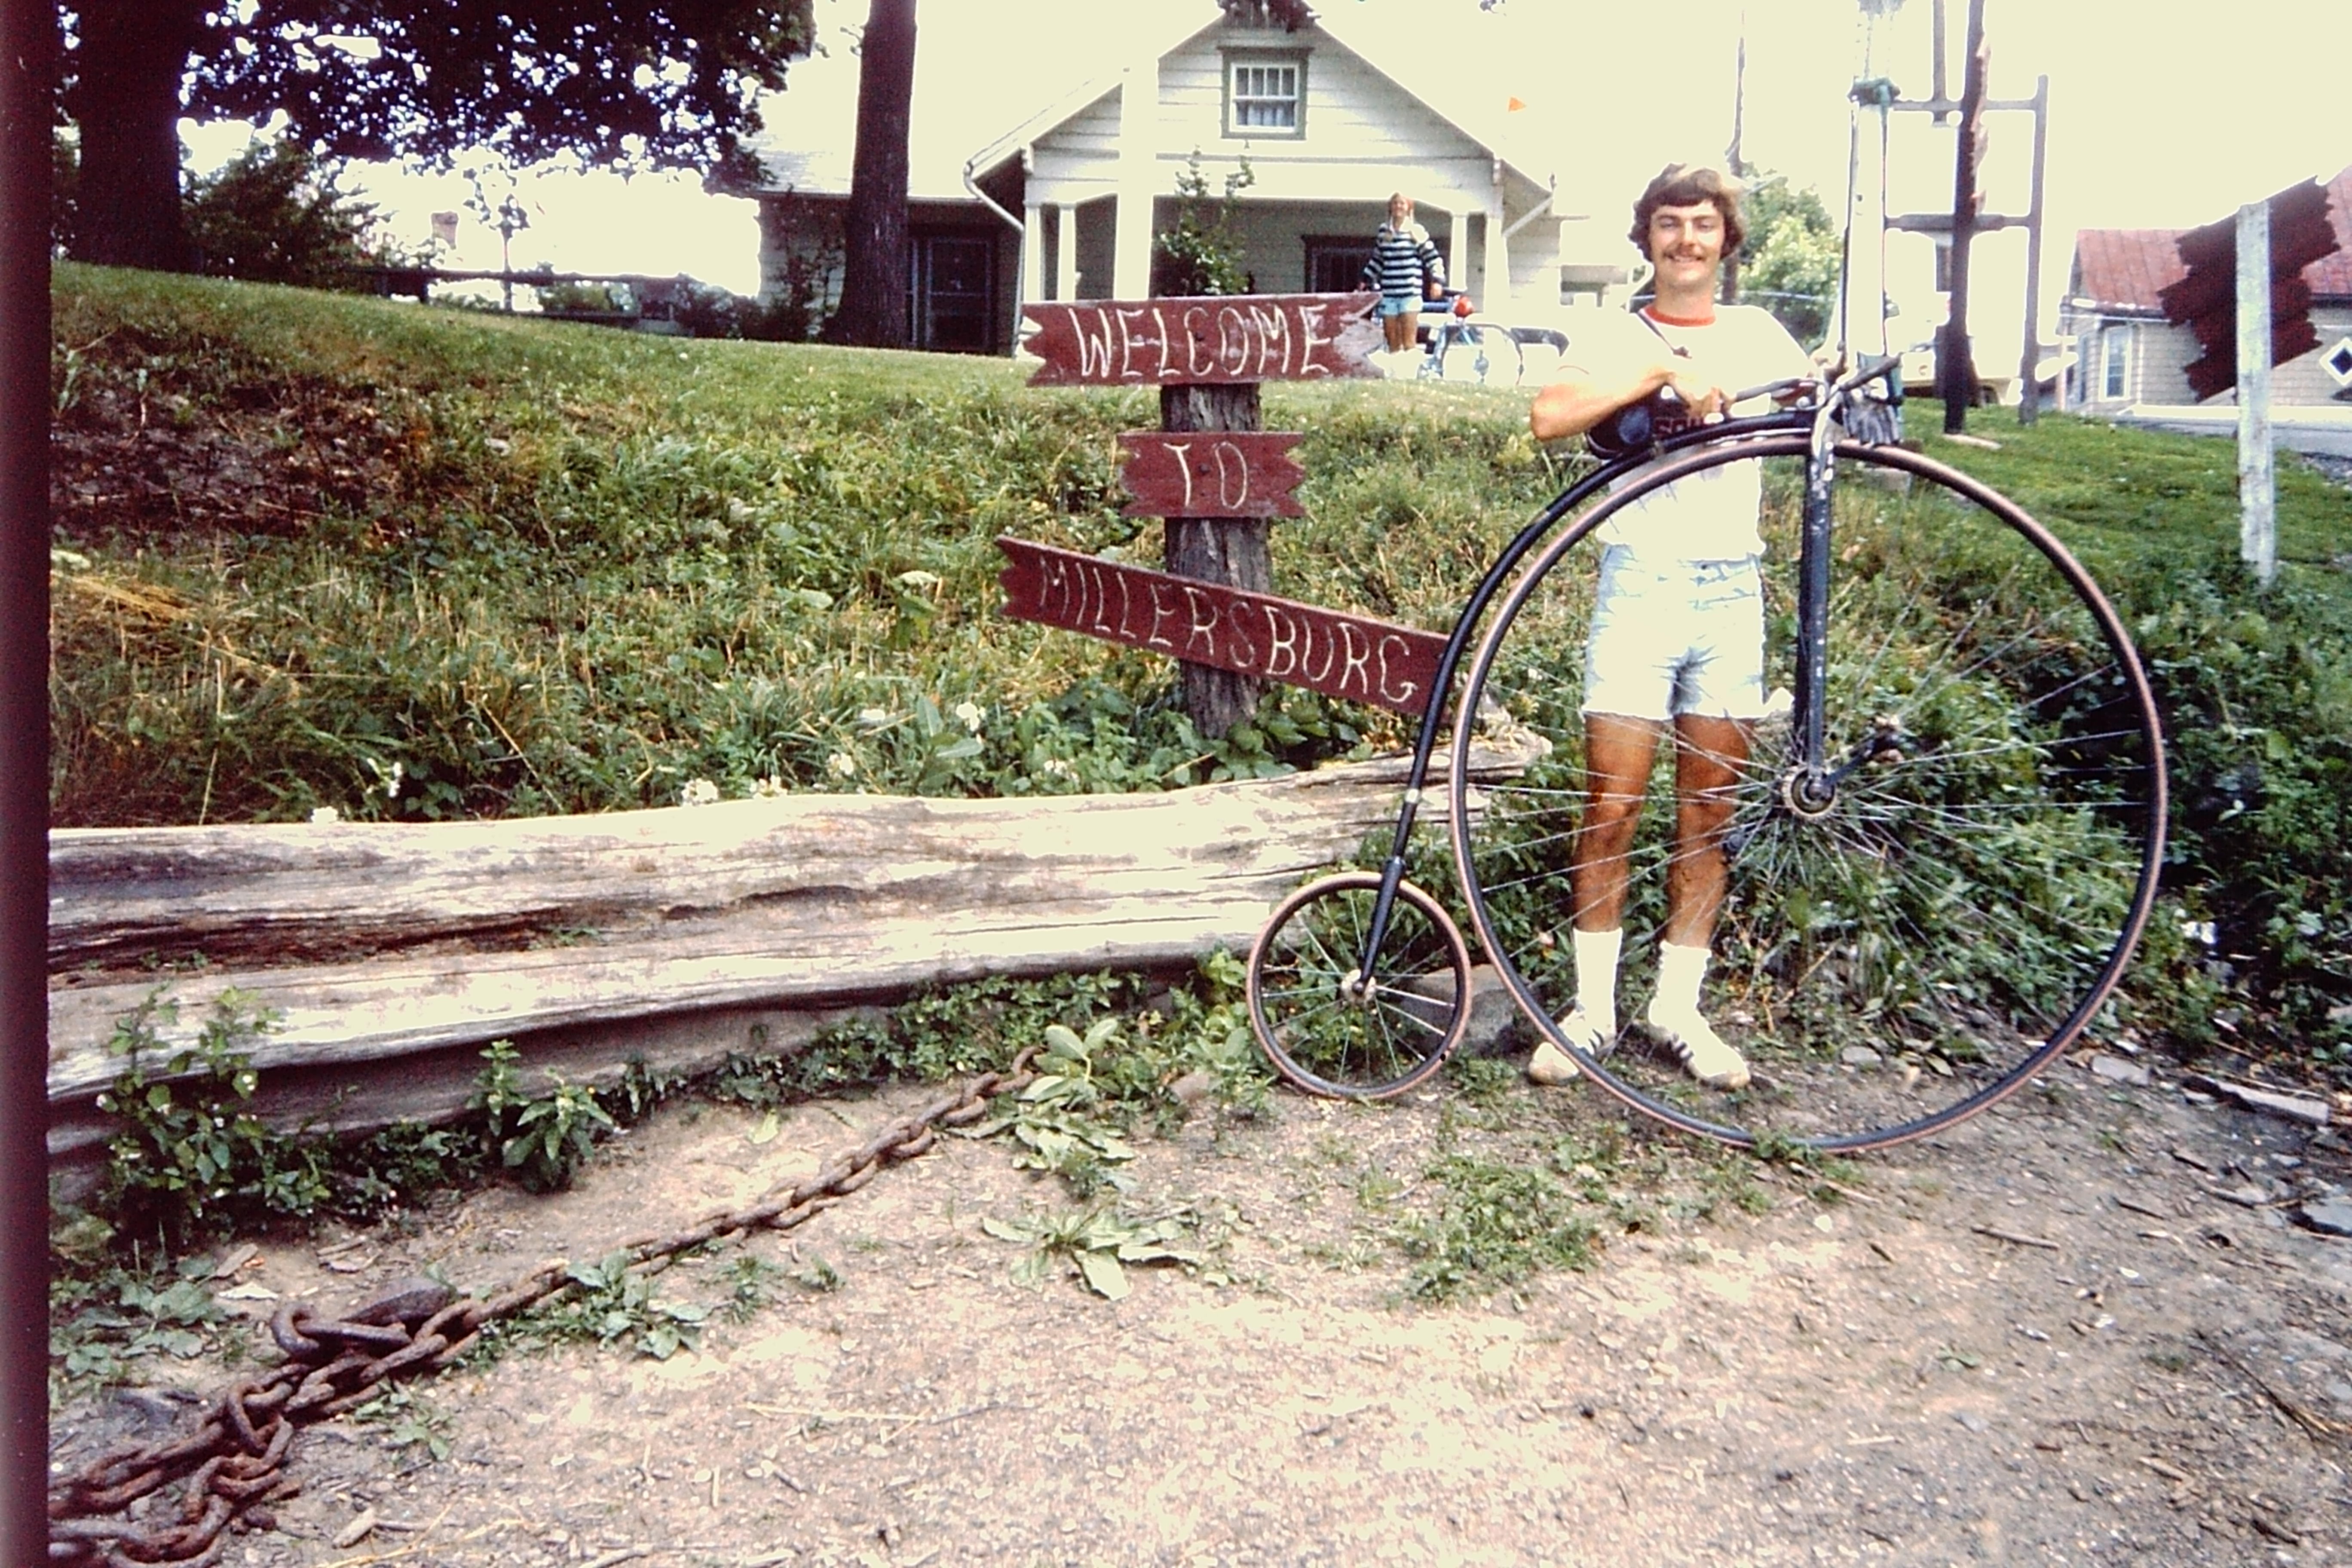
[
  {"x": 1708, "y": 755},
  {"x": 1618, "y": 754}
]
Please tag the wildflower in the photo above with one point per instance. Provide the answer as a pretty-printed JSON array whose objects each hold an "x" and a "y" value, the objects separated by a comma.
[
  {"x": 1059, "y": 769},
  {"x": 325, "y": 813},
  {"x": 768, "y": 788},
  {"x": 876, "y": 718},
  {"x": 699, "y": 792},
  {"x": 841, "y": 764},
  {"x": 970, "y": 716}
]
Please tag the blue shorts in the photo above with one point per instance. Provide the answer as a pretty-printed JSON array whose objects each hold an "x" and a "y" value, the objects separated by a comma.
[
  {"x": 1671, "y": 637},
  {"x": 1400, "y": 304}
]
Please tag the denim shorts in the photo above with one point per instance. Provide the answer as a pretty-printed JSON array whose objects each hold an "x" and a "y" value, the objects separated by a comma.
[
  {"x": 1671, "y": 637},
  {"x": 1400, "y": 304}
]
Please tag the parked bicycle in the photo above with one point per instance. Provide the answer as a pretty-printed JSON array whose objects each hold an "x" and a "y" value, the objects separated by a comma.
[
  {"x": 1942, "y": 854},
  {"x": 1464, "y": 347}
]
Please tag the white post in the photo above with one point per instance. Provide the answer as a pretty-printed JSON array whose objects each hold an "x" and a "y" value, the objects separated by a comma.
[
  {"x": 1066, "y": 251},
  {"x": 1457, "y": 265},
  {"x": 1032, "y": 257},
  {"x": 1494, "y": 284},
  {"x": 2257, "y": 514},
  {"x": 1863, "y": 301},
  {"x": 1139, "y": 125}
]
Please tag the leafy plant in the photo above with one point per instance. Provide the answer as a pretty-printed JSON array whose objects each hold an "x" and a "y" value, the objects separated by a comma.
[
  {"x": 147, "y": 1317},
  {"x": 414, "y": 1426},
  {"x": 1049, "y": 1119},
  {"x": 611, "y": 1303},
  {"x": 187, "y": 1156},
  {"x": 1097, "y": 1245},
  {"x": 1203, "y": 254},
  {"x": 1495, "y": 1224},
  {"x": 543, "y": 1139}
]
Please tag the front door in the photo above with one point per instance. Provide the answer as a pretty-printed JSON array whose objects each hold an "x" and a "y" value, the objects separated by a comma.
[{"x": 955, "y": 285}]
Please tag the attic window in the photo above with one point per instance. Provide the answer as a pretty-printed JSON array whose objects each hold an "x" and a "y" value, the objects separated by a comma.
[{"x": 1265, "y": 94}]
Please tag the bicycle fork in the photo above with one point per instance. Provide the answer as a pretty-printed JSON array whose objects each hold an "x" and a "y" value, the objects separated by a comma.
[{"x": 1809, "y": 786}]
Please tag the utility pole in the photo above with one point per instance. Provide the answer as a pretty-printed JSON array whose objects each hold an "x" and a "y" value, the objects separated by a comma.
[
  {"x": 1732, "y": 161},
  {"x": 1956, "y": 371}
]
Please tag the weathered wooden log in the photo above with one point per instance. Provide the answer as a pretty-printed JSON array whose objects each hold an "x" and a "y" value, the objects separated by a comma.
[{"x": 379, "y": 943}]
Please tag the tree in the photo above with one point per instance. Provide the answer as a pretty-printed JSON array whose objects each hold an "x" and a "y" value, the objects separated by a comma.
[
  {"x": 657, "y": 84},
  {"x": 1791, "y": 262},
  {"x": 273, "y": 216},
  {"x": 874, "y": 232}
]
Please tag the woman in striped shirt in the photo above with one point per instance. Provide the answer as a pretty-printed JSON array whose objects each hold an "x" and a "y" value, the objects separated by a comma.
[{"x": 1406, "y": 269}]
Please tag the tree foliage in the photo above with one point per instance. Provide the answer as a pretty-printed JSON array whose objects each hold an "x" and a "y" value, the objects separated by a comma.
[
  {"x": 1792, "y": 257},
  {"x": 656, "y": 84},
  {"x": 1201, "y": 254},
  {"x": 274, "y": 214}
]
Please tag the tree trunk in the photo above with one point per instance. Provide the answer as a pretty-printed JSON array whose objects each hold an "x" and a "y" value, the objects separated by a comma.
[
  {"x": 873, "y": 265},
  {"x": 1230, "y": 551},
  {"x": 126, "y": 104}
]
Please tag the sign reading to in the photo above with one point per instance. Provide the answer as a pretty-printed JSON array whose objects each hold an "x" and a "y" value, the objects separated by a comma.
[
  {"x": 1353, "y": 656},
  {"x": 1238, "y": 338},
  {"x": 1211, "y": 473}
]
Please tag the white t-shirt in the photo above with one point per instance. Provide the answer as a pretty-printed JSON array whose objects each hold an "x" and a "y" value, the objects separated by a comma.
[{"x": 1709, "y": 516}]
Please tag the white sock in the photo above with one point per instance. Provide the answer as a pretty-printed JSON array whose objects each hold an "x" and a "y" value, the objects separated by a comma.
[
  {"x": 1596, "y": 975},
  {"x": 1680, "y": 970}
]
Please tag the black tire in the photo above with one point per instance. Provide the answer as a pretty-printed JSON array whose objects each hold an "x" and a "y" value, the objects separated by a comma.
[
  {"x": 1329, "y": 1034},
  {"x": 1954, "y": 918}
]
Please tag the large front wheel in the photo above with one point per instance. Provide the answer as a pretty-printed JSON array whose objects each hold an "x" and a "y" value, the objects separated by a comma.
[{"x": 1916, "y": 919}]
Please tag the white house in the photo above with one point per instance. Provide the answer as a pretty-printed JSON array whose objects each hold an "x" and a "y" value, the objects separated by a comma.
[{"x": 1043, "y": 164}]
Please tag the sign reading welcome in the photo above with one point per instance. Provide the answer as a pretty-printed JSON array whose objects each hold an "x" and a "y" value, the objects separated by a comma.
[{"x": 1228, "y": 339}]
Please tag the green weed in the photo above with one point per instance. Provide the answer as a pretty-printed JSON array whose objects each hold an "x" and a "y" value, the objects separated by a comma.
[{"x": 1495, "y": 1224}]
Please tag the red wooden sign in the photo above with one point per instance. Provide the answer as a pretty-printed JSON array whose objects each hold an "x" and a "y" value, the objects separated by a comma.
[
  {"x": 1238, "y": 338},
  {"x": 1258, "y": 635},
  {"x": 1211, "y": 473}
]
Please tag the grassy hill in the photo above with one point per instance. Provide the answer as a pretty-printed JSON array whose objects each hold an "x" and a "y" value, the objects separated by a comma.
[{"x": 319, "y": 552}]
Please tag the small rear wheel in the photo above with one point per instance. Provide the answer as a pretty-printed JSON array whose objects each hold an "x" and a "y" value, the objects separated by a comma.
[{"x": 1337, "y": 1022}]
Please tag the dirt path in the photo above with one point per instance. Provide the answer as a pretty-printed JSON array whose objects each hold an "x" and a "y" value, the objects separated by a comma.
[{"x": 1754, "y": 1376}]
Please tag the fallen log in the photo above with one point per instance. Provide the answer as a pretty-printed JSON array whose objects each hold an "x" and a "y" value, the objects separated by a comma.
[{"x": 392, "y": 952}]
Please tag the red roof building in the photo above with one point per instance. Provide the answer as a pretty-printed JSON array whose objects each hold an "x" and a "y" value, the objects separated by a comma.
[{"x": 2130, "y": 355}]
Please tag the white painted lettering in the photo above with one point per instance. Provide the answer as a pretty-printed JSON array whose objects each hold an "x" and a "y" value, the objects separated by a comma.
[
  {"x": 1354, "y": 672},
  {"x": 1094, "y": 351},
  {"x": 1281, "y": 644},
  {"x": 1160, "y": 612},
  {"x": 1232, "y": 476},
  {"x": 1396, "y": 690}
]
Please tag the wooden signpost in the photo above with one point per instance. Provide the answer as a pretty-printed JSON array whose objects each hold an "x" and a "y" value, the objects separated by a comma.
[
  {"x": 1217, "y": 479},
  {"x": 1208, "y": 624}
]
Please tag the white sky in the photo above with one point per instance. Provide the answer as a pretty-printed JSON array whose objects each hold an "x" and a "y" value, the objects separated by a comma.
[{"x": 2161, "y": 115}]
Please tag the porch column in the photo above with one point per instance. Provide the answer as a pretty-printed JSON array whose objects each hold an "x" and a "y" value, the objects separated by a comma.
[
  {"x": 1457, "y": 269},
  {"x": 1138, "y": 128},
  {"x": 1495, "y": 287},
  {"x": 1066, "y": 251},
  {"x": 1032, "y": 257}
]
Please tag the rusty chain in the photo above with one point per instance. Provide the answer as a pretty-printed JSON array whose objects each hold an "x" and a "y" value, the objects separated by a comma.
[{"x": 234, "y": 1462}]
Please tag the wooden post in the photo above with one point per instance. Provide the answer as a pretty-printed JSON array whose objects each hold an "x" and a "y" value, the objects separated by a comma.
[
  {"x": 2029, "y": 403},
  {"x": 1956, "y": 368},
  {"x": 27, "y": 36},
  {"x": 1229, "y": 551},
  {"x": 2257, "y": 513}
]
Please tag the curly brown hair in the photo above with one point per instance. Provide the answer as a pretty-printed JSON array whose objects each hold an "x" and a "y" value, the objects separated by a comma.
[{"x": 1687, "y": 184}]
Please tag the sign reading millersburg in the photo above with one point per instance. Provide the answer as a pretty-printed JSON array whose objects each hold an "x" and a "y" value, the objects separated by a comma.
[
  {"x": 1235, "y": 338},
  {"x": 1353, "y": 656},
  {"x": 1211, "y": 473}
]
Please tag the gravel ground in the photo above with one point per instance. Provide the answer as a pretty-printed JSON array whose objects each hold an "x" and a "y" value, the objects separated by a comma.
[{"x": 2084, "y": 1328}]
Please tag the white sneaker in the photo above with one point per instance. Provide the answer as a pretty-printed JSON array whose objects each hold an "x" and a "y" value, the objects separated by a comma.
[
  {"x": 1550, "y": 1064},
  {"x": 1704, "y": 1053}
]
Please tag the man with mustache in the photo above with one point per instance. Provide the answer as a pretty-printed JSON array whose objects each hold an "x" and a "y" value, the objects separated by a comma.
[{"x": 1677, "y": 644}]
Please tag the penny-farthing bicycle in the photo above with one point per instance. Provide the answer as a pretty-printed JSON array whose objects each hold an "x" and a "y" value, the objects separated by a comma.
[{"x": 1940, "y": 858}]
